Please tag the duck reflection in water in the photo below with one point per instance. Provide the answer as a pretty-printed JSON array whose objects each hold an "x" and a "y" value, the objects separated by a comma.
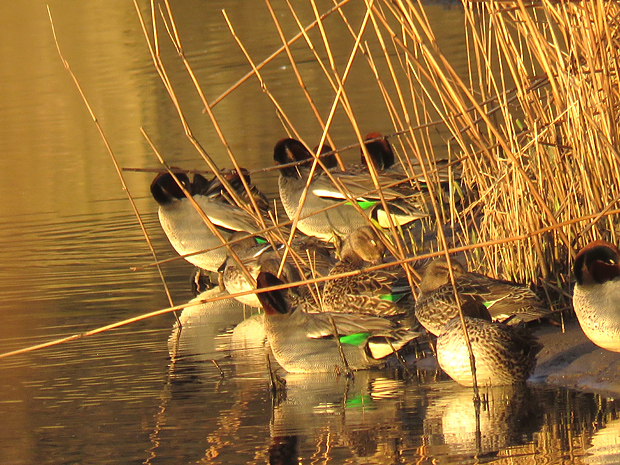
[
  {"x": 455, "y": 425},
  {"x": 203, "y": 327},
  {"x": 605, "y": 442},
  {"x": 283, "y": 450},
  {"x": 343, "y": 418}
]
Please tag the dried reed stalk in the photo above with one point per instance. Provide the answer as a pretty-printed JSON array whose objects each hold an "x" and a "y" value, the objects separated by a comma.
[{"x": 113, "y": 158}]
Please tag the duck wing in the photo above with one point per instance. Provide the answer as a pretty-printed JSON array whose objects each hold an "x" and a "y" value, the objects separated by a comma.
[
  {"x": 360, "y": 188},
  {"x": 503, "y": 299},
  {"x": 227, "y": 216},
  {"x": 318, "y": 325}
]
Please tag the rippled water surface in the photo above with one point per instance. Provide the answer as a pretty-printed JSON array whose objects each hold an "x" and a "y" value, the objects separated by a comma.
[{"x": 146, "y": 393}]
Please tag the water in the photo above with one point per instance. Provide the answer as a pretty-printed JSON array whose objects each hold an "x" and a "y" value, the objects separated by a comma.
[{"x": 143, "y": 393}]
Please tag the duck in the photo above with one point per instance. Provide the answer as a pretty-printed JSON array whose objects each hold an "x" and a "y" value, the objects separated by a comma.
[
  {"x": 596, "y": 295},
  {"x": 249, "y": 251},
  {"x": 303, "y": 342},
  {"x": 503, "y": 354},
  {"x": 407, "y": 175},
  {"x": 185, "y": 228},
  {"x": 323, "y": 214},
  {"x": 216, "y": 190},
  {"x": 506, "y": 301},
  {"x": 380, "y": 153},
  {"x": 384, "y": 292},
  {"x": 384, "y": 161},
  {"x": 257, "y": 255}
]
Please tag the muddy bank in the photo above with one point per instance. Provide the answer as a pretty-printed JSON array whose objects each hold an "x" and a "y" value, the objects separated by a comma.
[{"x": 571, "y": 360}]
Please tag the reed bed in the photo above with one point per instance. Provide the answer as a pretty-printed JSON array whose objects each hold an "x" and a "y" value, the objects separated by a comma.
[{"x": 554, "y": 155}]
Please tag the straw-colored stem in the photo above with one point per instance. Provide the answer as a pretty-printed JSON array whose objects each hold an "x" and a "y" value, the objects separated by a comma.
[{"x": 112, "y": 157}]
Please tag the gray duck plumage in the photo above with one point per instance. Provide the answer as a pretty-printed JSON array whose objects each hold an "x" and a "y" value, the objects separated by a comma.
[
  {"x": 184, "y": 226},
  {"x": 304, "y": 342},
  {"x": 596, "y": 296},
  {"x": 321, "y": 216}
]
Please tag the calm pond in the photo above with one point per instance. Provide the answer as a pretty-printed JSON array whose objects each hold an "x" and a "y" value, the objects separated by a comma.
[{"x": 143, "y": 393}]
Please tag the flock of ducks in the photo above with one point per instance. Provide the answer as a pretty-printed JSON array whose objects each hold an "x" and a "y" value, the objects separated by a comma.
[{"x": 366, "y": 311}]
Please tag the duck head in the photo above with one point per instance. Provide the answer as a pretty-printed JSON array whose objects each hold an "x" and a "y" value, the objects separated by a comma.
[
  {"x": 379, "y": 150},
  {"x": 289, "y": 151},
  {"x": 329, "y": 161},
  {"x": 363, "y": 245},
  {"x": 597, "y": 263},
  {"x": 215, "y": 188},
  {"x": 166, "y": 190},
  {"x": 273, "y": 302},
  {"x": 436, "y": 274}
]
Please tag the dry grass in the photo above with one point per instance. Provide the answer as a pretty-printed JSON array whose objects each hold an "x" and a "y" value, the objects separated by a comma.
[{"x": 553, "y": 157}]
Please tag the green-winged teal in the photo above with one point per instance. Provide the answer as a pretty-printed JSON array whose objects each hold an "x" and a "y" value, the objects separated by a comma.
[
  {"x": 311, "y": 257},
  {"x": 393, "y": 170},
  {"x": 596, "y": 296},
  {"x": 506, "y": 301},
  {"x": 380, "y": 152},
  {"x": 503, "y": 354},
  {"x": 184, "y": 226},
  {"x": 319, "y": 215},
  {"x": 305, "y": 342},
  {"x": 385, "y": 292}
]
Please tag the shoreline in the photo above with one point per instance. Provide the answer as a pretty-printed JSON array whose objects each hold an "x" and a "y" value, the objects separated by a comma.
[{"x": 572, "y": 361}]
